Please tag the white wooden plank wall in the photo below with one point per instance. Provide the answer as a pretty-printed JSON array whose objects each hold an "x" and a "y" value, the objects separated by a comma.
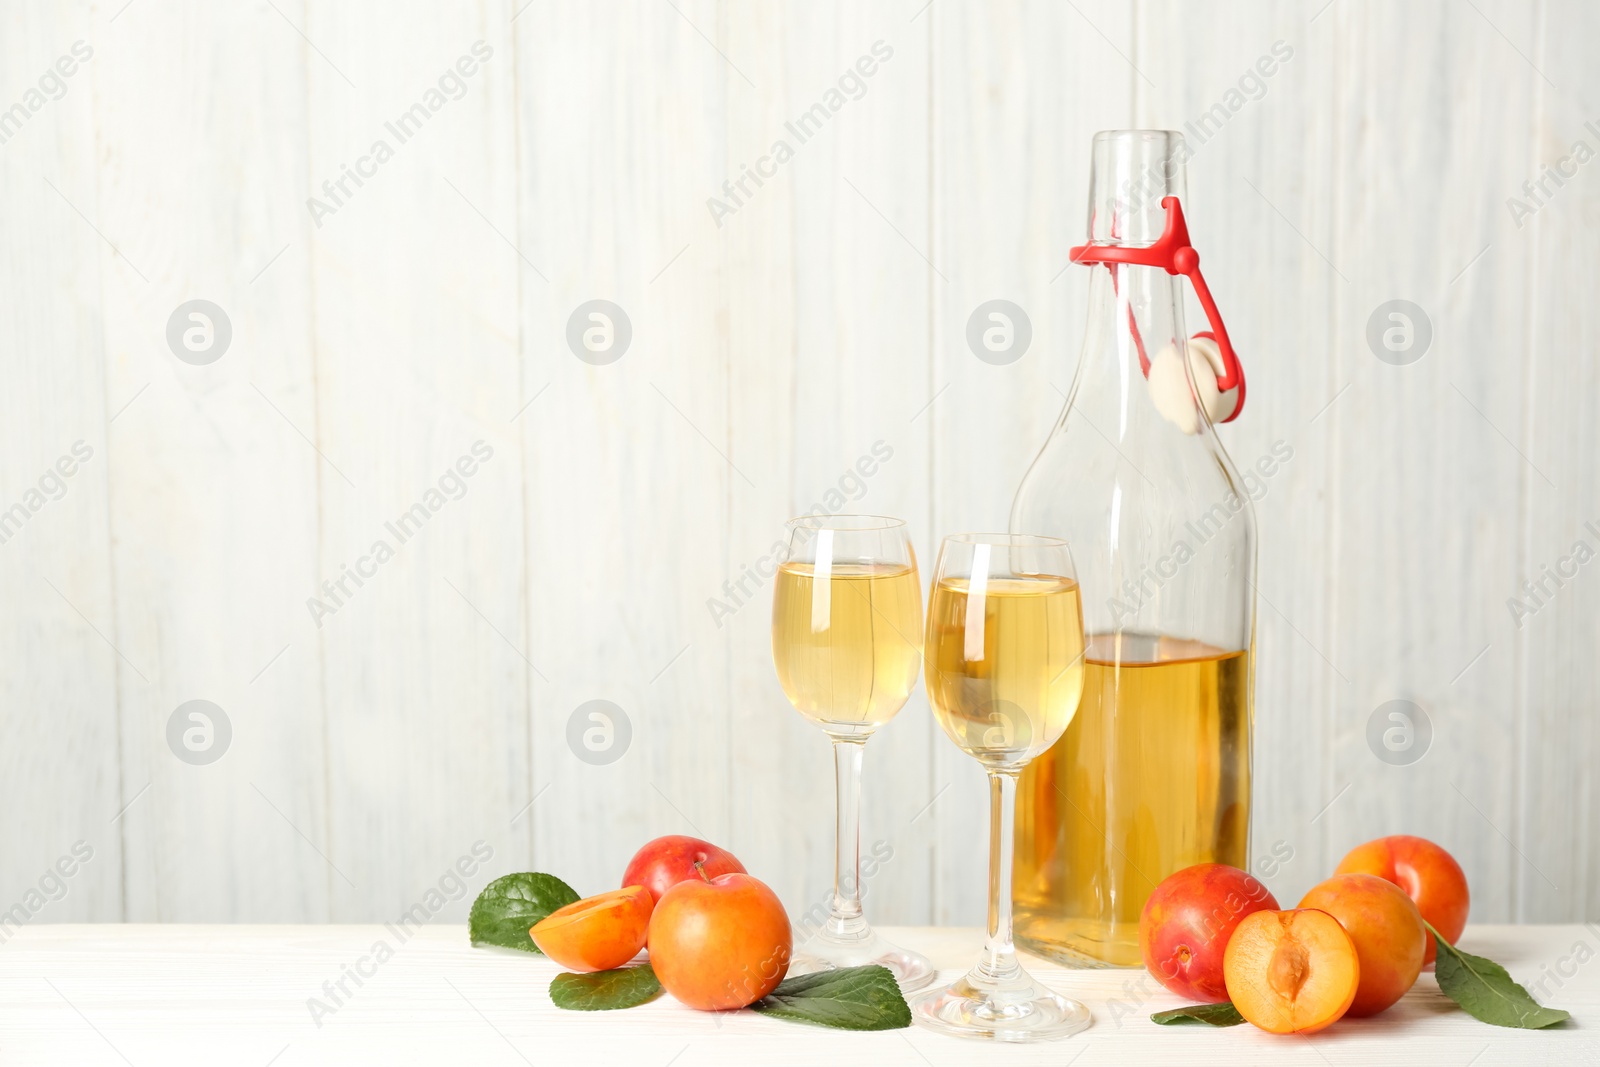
[{"x": 808, "y": 341}]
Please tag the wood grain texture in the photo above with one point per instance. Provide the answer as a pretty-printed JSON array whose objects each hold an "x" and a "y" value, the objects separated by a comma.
[
  {"x": 1552, "y": 629},
  {"x": 212, "y": 494},
  {"x": 59, "y": 697},
  {"x": 426, "y": 665},
  {"x": 629, "y": 474},
  {"x": 96, "y": 995},
  {"x": 773, "y": 345},
  {"x": 1429, "y": 480}
]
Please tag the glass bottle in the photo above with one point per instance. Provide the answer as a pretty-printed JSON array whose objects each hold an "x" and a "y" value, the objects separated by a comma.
[{"x": 1153, "y": 774}]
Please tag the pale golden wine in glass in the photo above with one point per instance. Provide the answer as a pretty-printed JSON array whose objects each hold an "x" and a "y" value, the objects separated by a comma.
[
  {"x": 847, "y": 643},
  {"x": 1004, "y": 659},
  {"x": 1001, "y": 705}
]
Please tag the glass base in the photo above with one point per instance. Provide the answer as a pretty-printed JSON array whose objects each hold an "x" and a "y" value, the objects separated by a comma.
[
  {"x": 826, "y": 952},
  {"x": 1017, "y": 1009}
]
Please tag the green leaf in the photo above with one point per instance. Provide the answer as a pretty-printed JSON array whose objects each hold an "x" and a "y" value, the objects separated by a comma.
[
  {"x": 851, "y": 998},
  {"x": 1224, "y": 1014},
  {"x": 624, "y": 987},
  {"x": 511, "y": 904},
  {"x": 1486, "y": 991}
]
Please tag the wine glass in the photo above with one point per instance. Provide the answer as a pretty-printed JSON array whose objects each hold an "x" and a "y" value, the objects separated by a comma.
[
  {"x": 1004, "y": 660},
  {"x": 846, "y": 639}
]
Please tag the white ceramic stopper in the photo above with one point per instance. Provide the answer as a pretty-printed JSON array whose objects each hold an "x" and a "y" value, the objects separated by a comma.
[{"x": 1169, "y": 388}]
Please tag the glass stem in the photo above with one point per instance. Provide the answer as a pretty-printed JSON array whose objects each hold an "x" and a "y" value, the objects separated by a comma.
[
  {"x": 999, "y": 961},
  {"x": 845, "y": 920}
]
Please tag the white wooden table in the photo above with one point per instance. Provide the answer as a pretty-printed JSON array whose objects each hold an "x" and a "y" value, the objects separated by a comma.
[{"x": 89, "y": 995}]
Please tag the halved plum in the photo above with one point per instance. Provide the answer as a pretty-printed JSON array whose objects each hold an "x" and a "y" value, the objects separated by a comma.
[
  {"x": 596, "y": 933},
  {"x": 1291, "y": 972}
]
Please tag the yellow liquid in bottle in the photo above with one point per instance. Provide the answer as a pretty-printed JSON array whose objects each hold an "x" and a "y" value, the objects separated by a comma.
[
  {"x": 1168, "y": 721},
  {"x": 847, "y": 647},
  {"x": 1004, "y": 676}
]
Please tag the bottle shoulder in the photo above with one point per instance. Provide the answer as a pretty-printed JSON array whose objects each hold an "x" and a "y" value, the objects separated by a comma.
[{"x": 1082, "y": 471}]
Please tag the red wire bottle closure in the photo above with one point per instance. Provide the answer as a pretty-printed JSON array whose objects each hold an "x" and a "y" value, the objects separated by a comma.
[{"x": 1173, "y": 254}]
